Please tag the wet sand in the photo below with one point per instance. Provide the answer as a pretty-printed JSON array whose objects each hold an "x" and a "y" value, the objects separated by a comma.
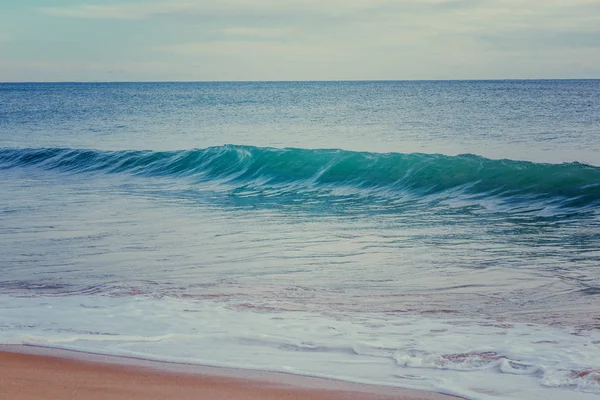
[{"x": 28, "y": 373}]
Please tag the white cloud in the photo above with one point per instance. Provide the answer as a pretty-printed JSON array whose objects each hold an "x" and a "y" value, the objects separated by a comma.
[
  {"x": 455, "y": 16},
  {"x": 246, "y": 49},
  {"x": 358, "y": 39},
  {"x": 117, "y": 11},
  {"x": 269, "y": 7},
  {"x": 251, "y": 7},
  {"x": 256, "y": 32}
]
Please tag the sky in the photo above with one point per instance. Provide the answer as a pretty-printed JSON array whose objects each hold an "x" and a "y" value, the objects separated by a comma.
[{"x": 247, "y": 40}]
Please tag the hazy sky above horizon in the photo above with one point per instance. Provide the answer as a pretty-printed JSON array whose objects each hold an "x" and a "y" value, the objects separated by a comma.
[{"x": 141, "y": 40}]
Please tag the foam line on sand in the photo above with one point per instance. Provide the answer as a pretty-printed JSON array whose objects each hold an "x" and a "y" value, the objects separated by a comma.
[{"x": 28, "y": 373}]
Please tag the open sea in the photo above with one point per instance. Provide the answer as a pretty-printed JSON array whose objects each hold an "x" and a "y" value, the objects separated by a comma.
[{"x": 433, "y": 235}]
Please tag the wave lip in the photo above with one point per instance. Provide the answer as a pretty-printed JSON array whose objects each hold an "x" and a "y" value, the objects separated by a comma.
[{"x": 260, "y": 171}]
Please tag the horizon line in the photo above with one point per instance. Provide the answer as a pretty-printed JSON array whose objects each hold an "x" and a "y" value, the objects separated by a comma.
[{"x": 308, "y": 80}]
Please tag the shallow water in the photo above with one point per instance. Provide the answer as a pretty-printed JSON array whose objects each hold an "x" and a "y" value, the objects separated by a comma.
[{"x": 221, "y": 223}]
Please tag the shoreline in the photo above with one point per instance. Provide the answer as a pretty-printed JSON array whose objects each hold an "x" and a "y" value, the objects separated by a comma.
[{"x": 31, "y": 372}]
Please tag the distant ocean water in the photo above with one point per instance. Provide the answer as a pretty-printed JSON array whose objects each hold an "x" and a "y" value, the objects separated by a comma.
[{"x": 434, "y": 235}]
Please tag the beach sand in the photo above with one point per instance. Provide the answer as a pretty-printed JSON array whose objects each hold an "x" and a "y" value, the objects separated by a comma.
[{"x": 28, "y": 373}]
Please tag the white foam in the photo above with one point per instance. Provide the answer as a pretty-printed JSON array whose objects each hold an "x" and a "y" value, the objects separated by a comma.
[
  {"x": 462, "y": 357},
  {"x": 585, "y": 381}
]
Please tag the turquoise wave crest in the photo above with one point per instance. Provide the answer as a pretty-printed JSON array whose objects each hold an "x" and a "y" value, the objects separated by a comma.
[{"x": 274, "y": 172}]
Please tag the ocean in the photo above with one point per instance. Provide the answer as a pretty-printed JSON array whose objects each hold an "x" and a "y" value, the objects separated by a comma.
[{"x": 439, "y": 235}]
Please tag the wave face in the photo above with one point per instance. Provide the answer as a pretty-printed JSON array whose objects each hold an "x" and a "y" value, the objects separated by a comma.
[{"x": 256, "y": 171}]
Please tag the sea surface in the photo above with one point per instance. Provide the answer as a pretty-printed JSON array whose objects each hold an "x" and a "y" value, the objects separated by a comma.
[{"x": 433, "y": 235}]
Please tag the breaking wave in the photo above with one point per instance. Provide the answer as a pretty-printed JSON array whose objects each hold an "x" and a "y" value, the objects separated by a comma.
[{"x": 247, "y": 170}]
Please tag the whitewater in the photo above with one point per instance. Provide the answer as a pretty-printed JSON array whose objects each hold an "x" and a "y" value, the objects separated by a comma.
[{"x": 431, "y": 235}]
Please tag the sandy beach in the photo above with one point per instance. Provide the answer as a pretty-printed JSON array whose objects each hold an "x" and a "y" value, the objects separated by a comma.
[{"x": 34, "y": 373}]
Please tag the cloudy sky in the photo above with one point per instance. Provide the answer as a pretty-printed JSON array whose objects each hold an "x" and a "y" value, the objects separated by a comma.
[{"x": 201, "y": 40}]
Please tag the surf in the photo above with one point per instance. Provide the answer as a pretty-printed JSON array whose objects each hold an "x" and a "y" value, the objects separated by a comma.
[{"x": 273, "y": 172}]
